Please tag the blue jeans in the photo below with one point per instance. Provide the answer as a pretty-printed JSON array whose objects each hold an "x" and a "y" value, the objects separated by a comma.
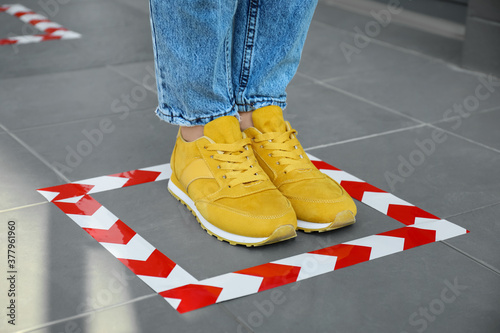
[{"x": 219, "y": 57}]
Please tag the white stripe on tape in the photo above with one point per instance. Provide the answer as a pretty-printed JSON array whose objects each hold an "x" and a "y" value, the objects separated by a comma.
[
  {"x": 46, "y": 25},
  {"x": 71, "y": 200},
  {"x": 419, "y": 220},
  {"x": 444, "y": 229},
  {"x": 380, "y": 245},
  {"x": 173, "y": 301},
  {"x": 16, "y": 8},
  {"x": 27, "y": 39},
  {"x": 48, "y": 195},
  {"x": 66, "y": 34},
  {"x": 339, "y": 175},
  {"x": 136, "y": 249},
  {"x": 310, "y": 264},
  {"x": 177, "y": 277},
  {"x": 29, "y": 17},
  {"x": 381, "y": 200},
  {"x": 234, "y": 285},
  {"x": 165, "y": 169},
  {"x": 101, "y": 219},
  {"x": 104, "y": 183},
  {"x": 312, "y": 157}
]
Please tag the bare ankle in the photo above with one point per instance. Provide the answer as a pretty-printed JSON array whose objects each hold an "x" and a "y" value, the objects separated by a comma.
[
  {"x": 191, "y": 133},
  {"x": 246, "y": 120}
]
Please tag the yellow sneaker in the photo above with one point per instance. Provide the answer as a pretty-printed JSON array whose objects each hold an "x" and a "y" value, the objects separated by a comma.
[
  {"x": 320, "y": 203},
  {"x": 218, "y": 178}
]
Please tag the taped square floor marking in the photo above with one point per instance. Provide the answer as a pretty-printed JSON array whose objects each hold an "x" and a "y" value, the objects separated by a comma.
[
  {"x": 185, "y": 293},
  {"x": 52, "y": 30}
]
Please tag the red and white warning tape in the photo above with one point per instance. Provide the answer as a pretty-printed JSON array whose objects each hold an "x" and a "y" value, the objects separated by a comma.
[
  {"x": 185, "y": 293},
  {"x": 51, "y": 29}
]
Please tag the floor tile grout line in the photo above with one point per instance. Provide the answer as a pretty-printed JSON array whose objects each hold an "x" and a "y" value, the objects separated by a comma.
[
  {"x": 364, "y": 137},
  {"x": 345, "y": 76},
  {"x": 236, "y": 318},
  {"x": 334, "y": 78},
  {"x": 359, "y": 98},
  {"x": 34, "y": 153},
  {"x": 326, "y": 85},
  {"x": 437, "y": 122},
  {"x": 23, "y": 207},
  {"x": 478, "y": 261},
  {"x": 124, "y": 3},
  {"x": 77, "y": 120},
  {"x": 472, "y": 210},
  {"x": 384, "y": 44},
  {"x": 465, "y": 138},
  {"x": 407, "y": 51},
  {"x": 74, "y": 70},
  {"x": 405, "y": 18},
  {"x": 86, "y": 314},
  {"x": 131, "y": 79},
  {"x": 496, "y": 108},
  {"x": 472, "y": 258}
]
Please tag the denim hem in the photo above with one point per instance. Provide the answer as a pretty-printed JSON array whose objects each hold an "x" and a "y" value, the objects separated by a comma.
[
  {"x": 177, "y": 119},
  {"x": 257, "y": 103}
]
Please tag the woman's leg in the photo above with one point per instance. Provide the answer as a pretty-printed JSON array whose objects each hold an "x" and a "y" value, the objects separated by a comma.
[
  {"x": 214, "y": 171},
  {"x": 192, "y": 49},
  {"x": 268, "y": 40},
  {"x": 266, "y": 53}
]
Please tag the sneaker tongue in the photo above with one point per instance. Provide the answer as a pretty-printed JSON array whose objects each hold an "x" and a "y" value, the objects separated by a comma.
[
  {"x": 223, "y": 130},
  {"x": 269, "y": 119}
]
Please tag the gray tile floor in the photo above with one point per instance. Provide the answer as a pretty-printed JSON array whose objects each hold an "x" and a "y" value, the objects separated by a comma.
[{"x": 364, "y": 116}]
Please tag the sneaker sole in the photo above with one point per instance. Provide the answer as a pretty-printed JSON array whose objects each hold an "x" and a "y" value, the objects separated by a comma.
[
  {"x": 343, "y": 219},
  {"x": 281, "y": 233}
]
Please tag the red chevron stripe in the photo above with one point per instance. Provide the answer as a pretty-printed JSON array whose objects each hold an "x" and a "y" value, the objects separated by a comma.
[
  {"x": 357, "y": 189},
  {"x": 324, "y": 165},
  {"x": 274, "y": 274},
  {"x": 7, "y": 41},
  {"x": 68, "y": 190},
  {"x": 407, "y": 214},
  {"x": 413, "y": 236},
  {"x": 85, "y": 206},
  {"x": 19, "y": 14},
  {"x": 119, "y": 233},
  {"x": 158, "y": 265},
  {"x": 3, "y": 9},
  {"x": 347, "y": 255},
  {"x": 193, "y": 296},
  {"x": 34, "y": 22},
  {"x": 51, "y": 30},
  {"x": 138, "y": 177},
  {"x": 50, "y": 37}
]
